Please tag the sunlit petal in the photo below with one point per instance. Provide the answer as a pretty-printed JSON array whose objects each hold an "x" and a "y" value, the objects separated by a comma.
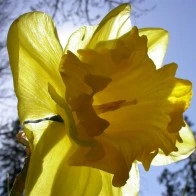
[
  {"x": 130, "y": 189},
  {"x": 109, "y": 190},
  {"x": 185, "y": 148},
  {"x": 80, "y": 39},
  {"x": 35, "y": 54},
  {"x": 49, "y": 172},
  {"x": 157, "y": 44},
  {"x": 115, "y": 24},
  {"x": 133, "y": 184}
]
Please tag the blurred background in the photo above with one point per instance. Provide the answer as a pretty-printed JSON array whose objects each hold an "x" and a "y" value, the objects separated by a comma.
[{"x": 176, "y": 16}]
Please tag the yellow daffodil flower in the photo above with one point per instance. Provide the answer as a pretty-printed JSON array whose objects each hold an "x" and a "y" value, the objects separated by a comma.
[{"x": 94, "y": 110}]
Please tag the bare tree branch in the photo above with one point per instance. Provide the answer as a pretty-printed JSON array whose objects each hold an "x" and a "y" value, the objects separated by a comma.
[{"x": 56, "y": 4}]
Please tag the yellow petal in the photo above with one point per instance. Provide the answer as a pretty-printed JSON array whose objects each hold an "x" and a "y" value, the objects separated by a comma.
[
  {"x": 185, "y": 148},
  {"x": 106, "y": 189},
  {"x": 157, "y": 44},
  {"x": 131, "y": 188},
  {"x": 35, "y": 53},
  {"x": 80, "y": 39},
  {"x": 112, "y": 161},
  {"x": 49, "y": 172},
  {"x": 115, "y": 24}
]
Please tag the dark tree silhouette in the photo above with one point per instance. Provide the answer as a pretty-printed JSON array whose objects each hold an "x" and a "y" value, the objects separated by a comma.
[
  {"x": 12, "y": 156},
  {"x": 82, "y": 11},
  {"x": 183, "y": 181}
]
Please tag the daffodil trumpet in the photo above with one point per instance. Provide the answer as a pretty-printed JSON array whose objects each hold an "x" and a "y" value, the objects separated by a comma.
[{"x": 92, "y": 111}]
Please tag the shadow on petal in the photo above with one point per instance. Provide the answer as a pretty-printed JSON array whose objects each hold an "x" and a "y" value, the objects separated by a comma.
[{"x": 48, "y": 140}]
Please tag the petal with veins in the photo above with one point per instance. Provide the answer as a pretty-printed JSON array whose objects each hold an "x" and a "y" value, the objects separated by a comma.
[
  {"x": 157, "y": 44},
  {"x": 35, "y": 53}
]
